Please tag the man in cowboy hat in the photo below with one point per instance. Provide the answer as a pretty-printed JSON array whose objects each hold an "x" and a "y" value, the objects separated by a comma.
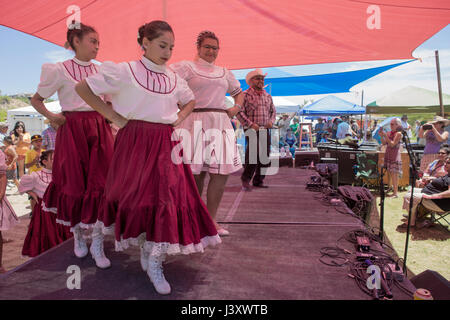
[{"x": 257, "y": 114}]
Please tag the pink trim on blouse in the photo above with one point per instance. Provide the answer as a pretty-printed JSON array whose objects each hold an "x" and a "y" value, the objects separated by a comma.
[
  {"x": 155, "y": 76},
  {"x": 78, "y": 76}
]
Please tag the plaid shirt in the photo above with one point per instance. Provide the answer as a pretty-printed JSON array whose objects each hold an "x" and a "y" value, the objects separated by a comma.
[
  {"x": 257, "y": 108},
  {"x": 49, "y": 138}
]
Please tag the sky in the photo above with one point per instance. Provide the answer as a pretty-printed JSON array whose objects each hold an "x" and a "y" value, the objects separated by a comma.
[{"x": 22, "y": 55}]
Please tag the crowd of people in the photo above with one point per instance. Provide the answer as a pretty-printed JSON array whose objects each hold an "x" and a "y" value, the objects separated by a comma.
[{"x": 433, "y": 135}]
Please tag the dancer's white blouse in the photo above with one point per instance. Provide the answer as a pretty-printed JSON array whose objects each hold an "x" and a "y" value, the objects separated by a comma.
[
  {"x": 209, "y": 82},
  {"x": 62, "y": 77},
  {"x": 37, "y": 182},
  {"x": 142, "y": 90}
]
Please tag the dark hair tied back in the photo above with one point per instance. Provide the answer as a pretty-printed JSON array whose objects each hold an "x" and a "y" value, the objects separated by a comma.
[
  {"x": 153, "y": 30},
  {"x": 79, "y": 30}
]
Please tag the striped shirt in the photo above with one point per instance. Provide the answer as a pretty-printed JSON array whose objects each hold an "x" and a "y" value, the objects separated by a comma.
[{"x": 257, "y": 108}]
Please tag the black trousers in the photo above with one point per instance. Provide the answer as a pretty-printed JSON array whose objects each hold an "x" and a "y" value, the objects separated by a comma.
[{"x": 254, "y": 162}]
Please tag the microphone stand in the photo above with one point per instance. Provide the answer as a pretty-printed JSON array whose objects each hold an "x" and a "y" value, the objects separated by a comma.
[
  {"x": 412, "y": 179},
  {"x": 382, "y": 197}
]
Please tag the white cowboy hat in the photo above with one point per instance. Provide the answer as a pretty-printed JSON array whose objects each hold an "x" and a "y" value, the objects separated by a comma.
[{"x": 254, "y": 73}]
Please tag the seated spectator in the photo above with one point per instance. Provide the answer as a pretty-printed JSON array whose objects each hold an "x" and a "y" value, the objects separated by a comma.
[
  {"x": 435, "y": 169},
  {"x": 438, "y": 191},
  {"x": 325, "y": 137}
]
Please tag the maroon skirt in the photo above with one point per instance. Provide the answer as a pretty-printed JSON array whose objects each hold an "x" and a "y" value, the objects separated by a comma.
[
  {"x": 83, "y": 150},
  {"x": 150, "y": 200},
  {"x": 43, "y": 232}
]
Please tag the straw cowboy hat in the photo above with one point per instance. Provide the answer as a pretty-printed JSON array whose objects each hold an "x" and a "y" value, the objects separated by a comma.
[
  {"x": 440, "y": 119},
  {"x": 254, "y": 73}
]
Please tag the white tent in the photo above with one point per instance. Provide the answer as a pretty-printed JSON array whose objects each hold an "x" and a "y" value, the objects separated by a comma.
[{"x": 34, "y": 121}]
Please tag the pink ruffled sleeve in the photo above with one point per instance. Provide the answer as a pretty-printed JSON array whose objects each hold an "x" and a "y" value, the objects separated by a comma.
[
  {"x": 26, "y": 183},
  {"x": 184, "y": 93},
  {"x": 50, "y": 80},
  {"x": 234, "y": 86},
  {"x": 108, "y": 80}
]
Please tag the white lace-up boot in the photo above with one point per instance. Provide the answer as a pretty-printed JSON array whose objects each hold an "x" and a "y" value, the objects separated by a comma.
[
  {"x": 80, "y": 248},
  {"x": 155, "y": 272},
  {"x": 97, "y": 251},
  {"x": 144, "y": 259}
]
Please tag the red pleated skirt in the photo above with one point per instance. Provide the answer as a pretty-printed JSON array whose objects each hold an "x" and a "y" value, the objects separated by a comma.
[
  {"x": 152, "y": 201},
  {"x": 43, "y": 232},
  {"x": 83, "y": 150}
]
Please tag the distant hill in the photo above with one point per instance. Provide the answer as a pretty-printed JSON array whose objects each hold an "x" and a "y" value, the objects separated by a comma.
[{"x": 8, "y": 102}]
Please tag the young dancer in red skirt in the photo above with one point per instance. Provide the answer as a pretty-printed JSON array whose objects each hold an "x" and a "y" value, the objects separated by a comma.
[
  {"x": 83, "y": 149},
  {"x": 152, "y": 199},
  {"x": 43, "y": 231}
]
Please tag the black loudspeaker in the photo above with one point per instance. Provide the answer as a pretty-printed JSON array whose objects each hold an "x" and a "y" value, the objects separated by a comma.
[
  {"x": 304, "y": 158},
  {"x": 433, "y": 282}
]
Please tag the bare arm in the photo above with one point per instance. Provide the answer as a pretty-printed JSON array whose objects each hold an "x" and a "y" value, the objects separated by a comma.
[
  {"x": 99, "y": 105},
  {"x": 12, "y": 152},
  {"x": 385, "y": 139},
  {"x": 185, "y": 111},
  {"x": 442, "y": 195},
  {"x": 441, "y": 137},
  {"x": 238, "y": 101},
  {"x": 38, "y": 103}
]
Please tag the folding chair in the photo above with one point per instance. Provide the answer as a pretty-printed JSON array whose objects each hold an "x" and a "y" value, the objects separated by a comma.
[{"x": 436, "y": 216}]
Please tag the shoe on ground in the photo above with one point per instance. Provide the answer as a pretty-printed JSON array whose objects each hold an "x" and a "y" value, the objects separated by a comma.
[
  {"x": 156, "y": 275},
  {"x": 98, "y": 254},
  {"x": 262, "y": 185}
]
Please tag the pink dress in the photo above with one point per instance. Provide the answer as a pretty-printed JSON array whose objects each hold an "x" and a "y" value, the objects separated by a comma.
[
  {"x": 211, "y": 142},
  {"x": 83, "y": 148},
  {"x": 392, "y": 157},
  {"x": 151, "y": 196},
  {"x": 8, "y": 217}
]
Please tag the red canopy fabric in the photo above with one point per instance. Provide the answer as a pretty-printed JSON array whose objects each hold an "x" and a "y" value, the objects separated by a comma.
[{"x": 262, "y": 33}]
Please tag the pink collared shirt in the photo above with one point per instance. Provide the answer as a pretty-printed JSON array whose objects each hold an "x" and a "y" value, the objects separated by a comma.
[{"x": 209, "y": 82}]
